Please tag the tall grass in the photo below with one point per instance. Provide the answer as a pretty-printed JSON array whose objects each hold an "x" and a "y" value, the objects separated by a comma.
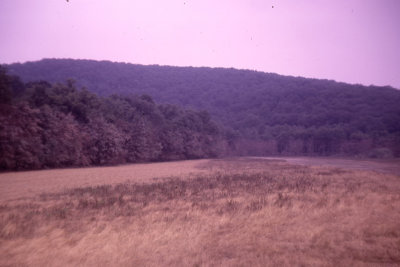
[{"x": 243, "y": 213}]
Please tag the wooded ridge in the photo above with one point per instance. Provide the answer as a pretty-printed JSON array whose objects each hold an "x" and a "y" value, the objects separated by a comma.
[{"x": 251, "y": 113}]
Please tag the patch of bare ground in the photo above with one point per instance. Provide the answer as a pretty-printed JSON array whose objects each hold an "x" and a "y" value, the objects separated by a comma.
[
  {"x": 30, "y": 183},
  {"x": 239, "y": 212}
]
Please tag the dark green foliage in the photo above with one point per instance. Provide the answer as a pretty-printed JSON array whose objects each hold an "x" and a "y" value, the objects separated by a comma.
[
  {"x": 56, "y": 125},
  {"x": 10, "y": 86},
  {"x": 5, "y": 93},
  {"x": 20, "y": 138},
  {"x": 261, "y": 113}
]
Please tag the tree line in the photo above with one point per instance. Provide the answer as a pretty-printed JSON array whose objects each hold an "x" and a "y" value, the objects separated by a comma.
[
  {"x": 260, "y": 113},
  {"x": 49, "y": 125}
]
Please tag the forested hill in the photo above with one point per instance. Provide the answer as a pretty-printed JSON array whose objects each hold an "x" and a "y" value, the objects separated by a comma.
[{"x": 263, "y": 113}]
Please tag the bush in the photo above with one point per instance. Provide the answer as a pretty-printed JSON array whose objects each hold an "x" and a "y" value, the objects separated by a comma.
[{"x": 381, "y": 153}]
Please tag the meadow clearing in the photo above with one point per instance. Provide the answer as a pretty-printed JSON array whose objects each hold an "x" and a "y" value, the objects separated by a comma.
[{"x": 226, "y": 212}]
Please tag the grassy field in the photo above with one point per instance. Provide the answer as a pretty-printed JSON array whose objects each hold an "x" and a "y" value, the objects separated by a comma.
[{"x": 239, "y": 212}]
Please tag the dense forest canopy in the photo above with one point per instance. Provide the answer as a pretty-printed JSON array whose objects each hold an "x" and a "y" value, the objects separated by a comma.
[
  {"x": 263, "y": 113},
  {"x": 251, "y": 113},
  {"x": 45, "y": 125}
]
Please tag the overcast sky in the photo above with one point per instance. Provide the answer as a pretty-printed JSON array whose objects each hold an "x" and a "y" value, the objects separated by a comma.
[{"x": 355, "y": 41}]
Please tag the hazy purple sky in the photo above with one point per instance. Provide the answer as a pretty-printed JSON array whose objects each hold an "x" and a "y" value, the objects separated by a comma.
[{"x": 356, "y": 41}]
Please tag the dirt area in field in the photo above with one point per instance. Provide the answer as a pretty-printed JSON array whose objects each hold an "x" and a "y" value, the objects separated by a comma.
[{"x": 15, "y": 185}]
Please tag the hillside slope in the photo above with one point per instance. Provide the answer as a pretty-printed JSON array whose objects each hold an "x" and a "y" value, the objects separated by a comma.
[{"x": 263, "y": 113}]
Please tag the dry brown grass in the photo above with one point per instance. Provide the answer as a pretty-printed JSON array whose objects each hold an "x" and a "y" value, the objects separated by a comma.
[
  {"x": 391, "y": 166},
  {"x": 234, "y": 213}
]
